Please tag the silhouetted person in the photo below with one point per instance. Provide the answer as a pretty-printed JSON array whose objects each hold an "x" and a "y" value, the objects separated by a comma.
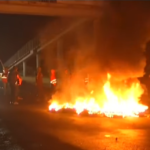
[
  {"x": 14, "y": 81},
  {"x": 39, "y": 84},
  {"x": 5, "y": 80},
  {"x": 53, "y": 81}
]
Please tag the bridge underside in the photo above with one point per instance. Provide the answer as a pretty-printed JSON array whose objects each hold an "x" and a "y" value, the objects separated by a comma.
[
  {"x": 79, "y": 11},
  {"x": 50, "y": 9}
]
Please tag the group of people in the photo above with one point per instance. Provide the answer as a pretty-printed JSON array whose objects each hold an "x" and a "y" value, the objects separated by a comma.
[
  {"x": 39, "y": 83},
  {"x": 12, "y": 80}
]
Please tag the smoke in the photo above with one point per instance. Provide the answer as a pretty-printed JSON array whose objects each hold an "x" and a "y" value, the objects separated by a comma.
[
  {"x": 52, "y": 34},
  {"x": 121, "y": 35}
]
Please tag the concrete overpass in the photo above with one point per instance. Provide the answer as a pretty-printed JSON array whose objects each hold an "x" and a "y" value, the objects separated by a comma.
[
  {"x": 59, "y": 8},
  {"x": 82, "y": 11},
  {"x": 36, "y": 45}
]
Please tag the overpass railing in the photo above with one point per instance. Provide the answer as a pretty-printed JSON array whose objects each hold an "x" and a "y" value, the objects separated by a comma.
[
  {"x": 40, "y": 43},
  {"x": 25, "y": 50}
]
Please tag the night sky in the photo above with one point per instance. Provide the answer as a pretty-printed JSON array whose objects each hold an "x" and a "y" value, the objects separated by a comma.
[{"x": 17, "y": 30}]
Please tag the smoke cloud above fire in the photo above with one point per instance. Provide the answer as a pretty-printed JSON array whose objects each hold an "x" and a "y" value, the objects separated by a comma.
[
  {"x": 113, "y": 43},
  {"x": 123, "y": 33},
  {"x": 121, "y": 37}
]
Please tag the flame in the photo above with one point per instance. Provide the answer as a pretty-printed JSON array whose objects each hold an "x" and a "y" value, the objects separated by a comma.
[{"x": 122, "y": 101}]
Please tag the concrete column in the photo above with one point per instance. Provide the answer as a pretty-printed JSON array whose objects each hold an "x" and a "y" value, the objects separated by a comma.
[
  {"x": 60, "y": 53},
  {"x": 60, "y": 49},
  {"x": 24, "y": 69},
  {"x": 96, "y": 25},
  {"x": 37, "y": 61}
]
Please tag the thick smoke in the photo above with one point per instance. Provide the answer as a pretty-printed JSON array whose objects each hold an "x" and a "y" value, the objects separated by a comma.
[
  {"x": 115, "y": 46},
  {"x": 122, "y": 33}
]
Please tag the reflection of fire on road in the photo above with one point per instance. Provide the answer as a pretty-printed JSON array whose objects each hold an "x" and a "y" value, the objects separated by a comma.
[{"x": 122, "y": 100}]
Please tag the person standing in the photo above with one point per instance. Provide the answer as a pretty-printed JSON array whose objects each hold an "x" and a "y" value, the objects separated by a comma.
[
  {"x": 52, "y": 77},
  {"x": 39, "y": 83},
  {"x": 5, "y": 80},
  {"x": 14, "y": 81},
  {"x": 53, "y": 81}
]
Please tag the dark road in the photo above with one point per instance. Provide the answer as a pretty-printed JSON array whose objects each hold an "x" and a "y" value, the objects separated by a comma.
[{"x": 36, "y": 128}]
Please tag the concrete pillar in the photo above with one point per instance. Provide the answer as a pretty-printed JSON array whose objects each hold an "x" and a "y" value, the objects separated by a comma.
[
  {"x": 60, "y": 49},
  {"x": 60, "y": 54},
  {"x": 24, "y": 69},
  {"x": 37, "y": 61},
  {"x": 96, "y": 26}
]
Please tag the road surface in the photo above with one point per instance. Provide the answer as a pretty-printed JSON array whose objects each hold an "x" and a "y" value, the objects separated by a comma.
[{"x": 37, "y": 129}]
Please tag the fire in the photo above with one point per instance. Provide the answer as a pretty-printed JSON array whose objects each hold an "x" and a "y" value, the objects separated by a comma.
[{"x": 122, "y": 101}]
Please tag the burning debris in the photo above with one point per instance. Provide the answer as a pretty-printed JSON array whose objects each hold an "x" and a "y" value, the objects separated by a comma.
[{"x": 123, "y": 100}]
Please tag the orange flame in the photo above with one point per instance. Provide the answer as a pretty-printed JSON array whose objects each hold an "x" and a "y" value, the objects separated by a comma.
[{"x": 122, "y": 102}]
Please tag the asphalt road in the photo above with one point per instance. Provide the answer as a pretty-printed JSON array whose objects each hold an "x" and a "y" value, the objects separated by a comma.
[{"x": 37, "y": 129}]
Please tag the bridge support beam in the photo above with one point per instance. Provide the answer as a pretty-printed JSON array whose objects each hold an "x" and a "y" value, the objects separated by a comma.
[
  {"x": 37, "y": 61},
  {"x": 24, "y": 69},
  {"x": 60, "y": 48},
  {"x": 60, "y": 54}
]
